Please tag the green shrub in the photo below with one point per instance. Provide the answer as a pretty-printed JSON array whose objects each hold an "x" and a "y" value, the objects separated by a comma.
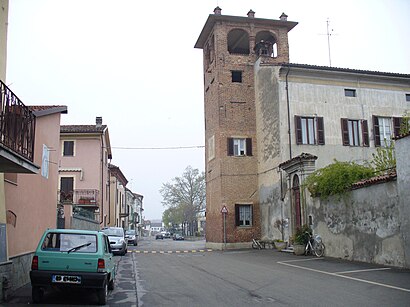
[
  {"x": 301, "y": 236},
  {"x": 336, "y": 178}
]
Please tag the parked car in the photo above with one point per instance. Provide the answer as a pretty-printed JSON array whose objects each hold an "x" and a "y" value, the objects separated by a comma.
[
  {"x": 167, "y": 235},
  {"x": 132, "y": 237},
  {"x": 178, "y": 237},
  {"x": 72, "y": 258},
  {"x": 159, "y": 236},
  {"x": 117, "y": 238}
]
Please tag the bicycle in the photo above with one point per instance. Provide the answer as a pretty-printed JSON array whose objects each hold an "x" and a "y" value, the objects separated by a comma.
[
  {"x": 256, "y": 244},
  {"x": 314, "y": 246}
]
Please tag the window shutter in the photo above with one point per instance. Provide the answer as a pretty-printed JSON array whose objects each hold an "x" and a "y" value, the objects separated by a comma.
[
  {"x": 396, "y": 125},
  {"x": 365, "y": 133},
  {"x": 345, "y": 132},
  {"x": 249, "y": 147},
  {"x": 230, "y": 146},
  {"x": 376, "y": 131},
  {"x": 298, "y": 125},
  {"x": 320, "y": 131},
  {"x": 236, "y": 214}
]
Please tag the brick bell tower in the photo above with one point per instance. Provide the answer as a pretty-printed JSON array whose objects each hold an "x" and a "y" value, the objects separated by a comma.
[{"x": 231, "y": 45}]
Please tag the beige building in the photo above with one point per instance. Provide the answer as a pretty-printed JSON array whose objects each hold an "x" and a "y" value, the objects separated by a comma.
[
  {"x": 118, "y": 209},
  {"x": 83, "y": 173},
  {"x": 266, "y": 122}
]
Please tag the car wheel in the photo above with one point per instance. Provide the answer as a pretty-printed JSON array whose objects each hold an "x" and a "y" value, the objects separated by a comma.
[
  {"x": 37, "y": 294},
  {"x": 135, "y": 244},
  {"x": 111, "y": 284},
  {"x": 102, "y": 294}
]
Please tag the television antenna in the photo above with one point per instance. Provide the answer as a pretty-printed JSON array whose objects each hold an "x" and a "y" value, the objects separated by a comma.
[{"x": 329, "y": 33}]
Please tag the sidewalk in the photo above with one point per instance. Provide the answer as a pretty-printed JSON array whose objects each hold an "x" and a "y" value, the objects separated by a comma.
[{"x": 20, "y": 297}]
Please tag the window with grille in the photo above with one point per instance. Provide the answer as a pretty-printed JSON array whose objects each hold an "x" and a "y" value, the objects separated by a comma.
[{"x": 243, "y": 215}]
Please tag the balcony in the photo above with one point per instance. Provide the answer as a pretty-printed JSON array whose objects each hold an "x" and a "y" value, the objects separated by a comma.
[
  {"x": 17, "y": 131},
  {"x": 80, "y": 197}
]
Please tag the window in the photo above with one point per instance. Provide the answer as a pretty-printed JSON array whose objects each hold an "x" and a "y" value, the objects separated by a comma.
[
  {"x": 309, "y": 130},
  {"x": 66, "y": 188},
  {"x": 68, "y": 148},
  {"x": 350, "y": 93},
  {"x": 211, "y": 148},
  {"x": 238, "y": 42},
  {"x": 236, "y": 76},
  {"x": 407, "y": 97},
  {"x": 384, "y": 129},
  {"x": 239, "y": 147},
  {"x": 355, "y": 132},
  {"x": 243, "y": 215}
]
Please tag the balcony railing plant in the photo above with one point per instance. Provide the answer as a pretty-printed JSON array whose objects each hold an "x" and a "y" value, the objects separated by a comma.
[{"x": 17, "y": 124}]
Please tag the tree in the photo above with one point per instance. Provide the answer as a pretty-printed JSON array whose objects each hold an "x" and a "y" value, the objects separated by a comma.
[
  {"x": 384, "y": 160},
  {"x": 184, "y": 197}
]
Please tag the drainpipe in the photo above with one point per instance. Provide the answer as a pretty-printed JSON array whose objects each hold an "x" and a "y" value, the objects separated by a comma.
[
  {"x": 288, "y": 106},
  {"x": 102, "y": 180}
]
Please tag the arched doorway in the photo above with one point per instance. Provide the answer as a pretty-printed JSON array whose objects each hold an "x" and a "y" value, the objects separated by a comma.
[{"x": 296, "y": 197}]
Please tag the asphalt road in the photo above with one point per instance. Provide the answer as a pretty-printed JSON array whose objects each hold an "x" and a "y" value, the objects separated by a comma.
[{"x": 184, "y": 273}]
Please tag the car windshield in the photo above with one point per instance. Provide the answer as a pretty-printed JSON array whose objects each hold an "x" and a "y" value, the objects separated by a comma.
[
  {"x": 64, "y": 242},
  {"x": 114, "y": 232},
  {"x": 130, "y": 232}
]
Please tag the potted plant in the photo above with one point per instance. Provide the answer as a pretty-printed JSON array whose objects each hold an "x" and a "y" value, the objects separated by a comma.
[
  {"x": 279, "y": 244},
  {"x": 301, "y": 238}
]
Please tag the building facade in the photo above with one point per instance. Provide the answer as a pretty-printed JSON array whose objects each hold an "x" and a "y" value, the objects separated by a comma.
[
  {"x": 231, "y": 46},
  {"x": 269, "y": 123},
  {"x": 118, "y": 209},
  {"x": 83, "y": 173}
]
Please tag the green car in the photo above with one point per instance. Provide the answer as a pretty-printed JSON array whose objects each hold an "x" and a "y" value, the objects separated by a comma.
[{"x": 73, "y": 258}]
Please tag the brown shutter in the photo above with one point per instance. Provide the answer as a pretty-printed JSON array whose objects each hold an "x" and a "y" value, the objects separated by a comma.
[
  {"x": 298, "y": 125},
  {"x": 396, "y": 125},
  {"x": 365, "y": 133},
  {"x": 230, "y": 146},
  {"x": 320, "y": 131},
  {"x": 236, "y": 214},
  {"x": 345, "y": 132},
  {"x": 376, "y": 131},
  {"x": 249, "y": 147}
]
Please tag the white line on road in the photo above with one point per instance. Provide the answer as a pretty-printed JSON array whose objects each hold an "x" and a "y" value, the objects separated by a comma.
[
  {"x": 359, "y": 271},
  {"x": 343, "y": 276}
]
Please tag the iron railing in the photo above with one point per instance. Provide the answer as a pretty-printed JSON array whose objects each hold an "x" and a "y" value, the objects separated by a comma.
[
  {"x": 17, "y": 124},
  {"x": 81, "y": 197}
]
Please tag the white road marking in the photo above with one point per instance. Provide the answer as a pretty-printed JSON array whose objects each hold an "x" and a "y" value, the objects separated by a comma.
[
  {"x": 343, "y": 276},
  {"x": 359, "y": 271}
]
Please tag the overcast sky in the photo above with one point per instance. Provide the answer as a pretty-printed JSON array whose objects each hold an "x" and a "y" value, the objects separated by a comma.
[{"x": 133, "y": 63}]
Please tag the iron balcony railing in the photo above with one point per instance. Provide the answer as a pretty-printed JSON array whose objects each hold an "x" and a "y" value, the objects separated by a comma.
[
  {"x": 80, "y": 197},
  {"x": 17, "y": 124}
]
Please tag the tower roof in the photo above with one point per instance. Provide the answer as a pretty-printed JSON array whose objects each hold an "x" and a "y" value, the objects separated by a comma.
[{"x": 213, "y": 18}]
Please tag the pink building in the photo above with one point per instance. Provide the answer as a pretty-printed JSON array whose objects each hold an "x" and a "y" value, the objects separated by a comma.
[
  {"x": 83, "y": 175},
  {"x": 31, "y": 199}
]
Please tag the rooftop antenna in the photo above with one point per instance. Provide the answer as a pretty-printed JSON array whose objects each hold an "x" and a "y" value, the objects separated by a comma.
[{"x": 329, "y": 33}]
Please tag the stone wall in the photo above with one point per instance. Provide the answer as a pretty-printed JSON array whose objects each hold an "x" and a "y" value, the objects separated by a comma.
[
  {"x": 78, "y": 222},
  {"x": 363, "y": 225}
]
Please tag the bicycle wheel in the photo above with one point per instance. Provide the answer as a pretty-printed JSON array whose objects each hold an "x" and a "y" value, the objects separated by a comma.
[
  {"x": 319, "y": 249},
  {"x": 255, "y": 245}
]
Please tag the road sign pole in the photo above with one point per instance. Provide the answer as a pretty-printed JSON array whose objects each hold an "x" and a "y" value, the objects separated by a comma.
[
  {"x": 224, "y": 212},
  {"x": 224, "y": 230}
]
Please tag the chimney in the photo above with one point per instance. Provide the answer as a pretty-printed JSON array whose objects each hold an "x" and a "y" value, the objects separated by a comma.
[
  {"x": 251, "y": 14},
  {"x": 217, "y": 10},
  {"x": 98, "y": 121},
  {"x": 283, "y": 17}
]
